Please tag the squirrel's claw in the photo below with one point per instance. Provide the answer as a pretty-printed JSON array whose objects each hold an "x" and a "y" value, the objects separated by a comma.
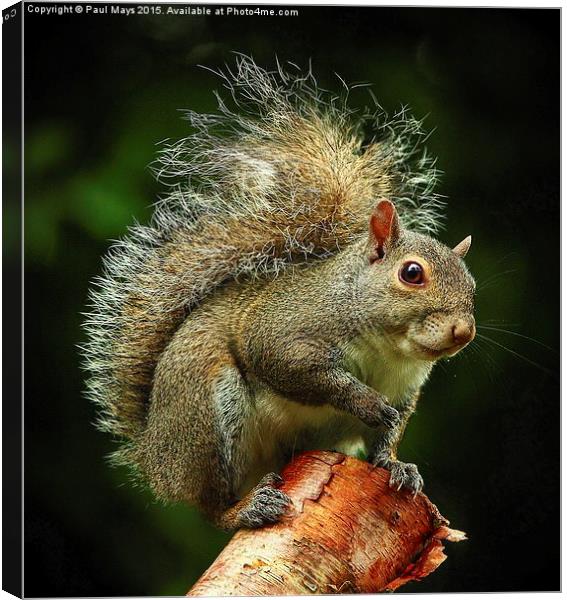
[
  {"x": 405, "y": 475},
  {"x": 270, "y": 480},
  {"x": 265, "y": 503}
]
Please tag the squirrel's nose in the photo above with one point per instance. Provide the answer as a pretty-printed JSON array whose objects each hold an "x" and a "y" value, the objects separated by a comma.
[{"x": 463, "y": 332}]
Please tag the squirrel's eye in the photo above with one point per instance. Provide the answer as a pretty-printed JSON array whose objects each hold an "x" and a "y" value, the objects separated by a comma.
[{"x": 412, "y": 273}]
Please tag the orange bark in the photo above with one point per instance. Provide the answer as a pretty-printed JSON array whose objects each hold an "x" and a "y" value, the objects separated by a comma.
[{"x": 348, "y": 531}]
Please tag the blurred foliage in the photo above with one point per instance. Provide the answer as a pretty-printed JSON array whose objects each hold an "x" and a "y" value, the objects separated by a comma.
[{"x": 102, "y": 91}]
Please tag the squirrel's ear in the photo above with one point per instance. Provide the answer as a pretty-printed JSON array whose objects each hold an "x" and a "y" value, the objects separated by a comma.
[
  {"x": 462, "y": 248},
  {"x": 384, "y": 228}
]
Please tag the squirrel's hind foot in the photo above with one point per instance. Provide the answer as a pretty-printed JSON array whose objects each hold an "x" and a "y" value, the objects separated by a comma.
[{"x": 263, "y": 505}]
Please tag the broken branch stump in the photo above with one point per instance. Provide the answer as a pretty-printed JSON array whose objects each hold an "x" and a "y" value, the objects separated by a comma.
[{"x": 347, "y": 532}]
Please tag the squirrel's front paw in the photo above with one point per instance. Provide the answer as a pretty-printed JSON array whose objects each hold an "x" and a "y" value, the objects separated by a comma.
[
  {"x": 267, "y": 504},
  {"x": 405, "y": 475},
  {"x": 380, "y": 414},
  {"x": 389, "y": 416}
]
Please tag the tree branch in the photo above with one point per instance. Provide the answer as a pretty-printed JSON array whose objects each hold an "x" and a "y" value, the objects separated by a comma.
[{"x": 347, "y": 532}]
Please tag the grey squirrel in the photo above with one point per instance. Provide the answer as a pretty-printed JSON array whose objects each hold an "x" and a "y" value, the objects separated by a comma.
[{"x": 286, "y": 295}]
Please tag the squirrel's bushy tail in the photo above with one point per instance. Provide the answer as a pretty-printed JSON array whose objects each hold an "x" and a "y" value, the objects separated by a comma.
[{"x": 290, "y": 175}]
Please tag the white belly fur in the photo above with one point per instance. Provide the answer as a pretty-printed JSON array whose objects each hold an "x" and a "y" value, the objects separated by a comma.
[
  {"x": 282, "y": 426},
  {"x": 377, "y": 364}
]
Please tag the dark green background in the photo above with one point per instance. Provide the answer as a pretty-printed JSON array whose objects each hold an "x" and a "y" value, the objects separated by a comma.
[{"x": 100, "y": 92}]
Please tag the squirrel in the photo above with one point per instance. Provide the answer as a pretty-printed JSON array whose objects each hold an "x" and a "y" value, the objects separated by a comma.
[{"x": 286, "y": 295}]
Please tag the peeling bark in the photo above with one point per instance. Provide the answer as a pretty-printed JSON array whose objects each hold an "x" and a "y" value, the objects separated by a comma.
[{"x": 348, "y": 532}]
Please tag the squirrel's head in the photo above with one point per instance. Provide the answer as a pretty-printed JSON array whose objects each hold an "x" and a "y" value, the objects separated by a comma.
[{"x": 427, "y": 286}]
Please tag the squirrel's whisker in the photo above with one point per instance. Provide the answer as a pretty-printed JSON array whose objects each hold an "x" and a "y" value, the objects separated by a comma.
[
  {"x": 499, "y": 322},
  {"x": 513, "y": 352},
  {"x": 492, "y": 279},
  {"x": 484, "y": 359},
  {"x": 515, "y": 333}
]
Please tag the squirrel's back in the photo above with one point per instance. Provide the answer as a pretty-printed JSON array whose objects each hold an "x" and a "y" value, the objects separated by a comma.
[{"x": 290, "y": 175}]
